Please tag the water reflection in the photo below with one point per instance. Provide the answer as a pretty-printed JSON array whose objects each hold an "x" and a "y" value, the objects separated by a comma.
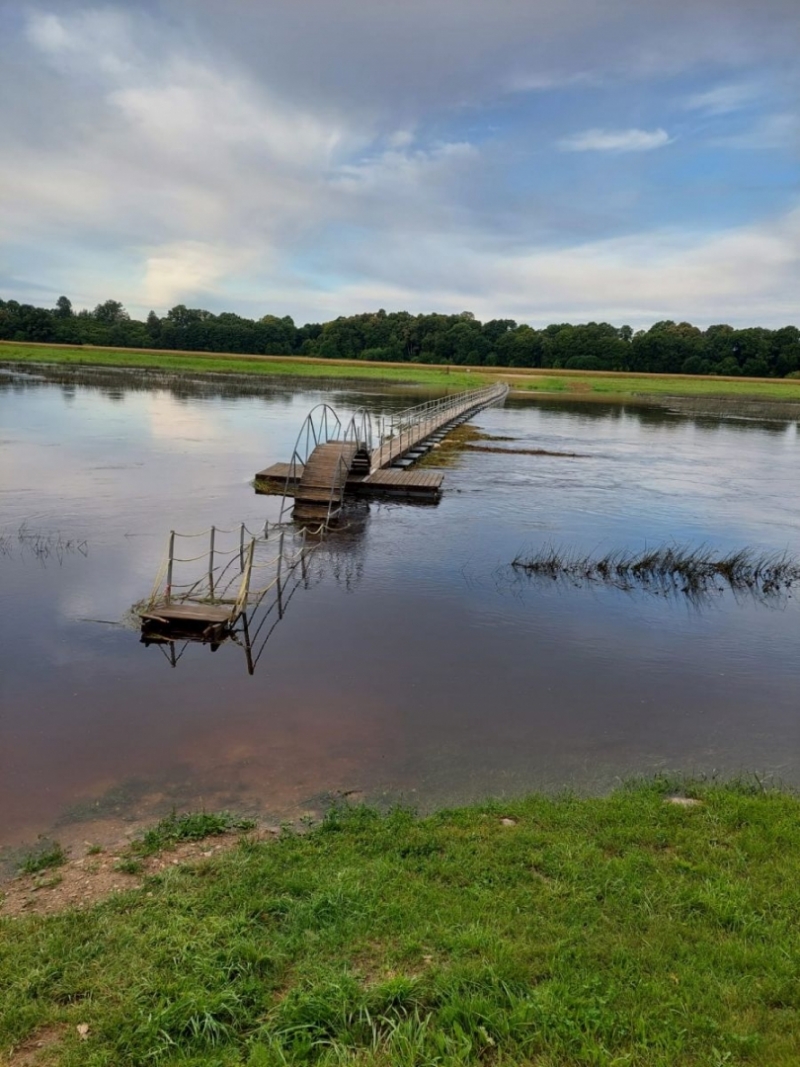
[{"x": 301, "y": 564}]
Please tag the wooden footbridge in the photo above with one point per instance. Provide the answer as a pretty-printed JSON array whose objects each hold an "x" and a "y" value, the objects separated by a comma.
[
  {"x": 229, "y": 580},
  {"x": 368, "y": 456}
]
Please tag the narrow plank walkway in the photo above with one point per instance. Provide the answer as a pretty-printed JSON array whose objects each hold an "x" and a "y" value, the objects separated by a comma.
[
  {"x": 321, "y": 488},
  {"x": 405, "y": 441}
]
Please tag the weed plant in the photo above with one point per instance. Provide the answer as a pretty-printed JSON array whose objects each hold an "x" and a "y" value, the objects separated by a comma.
[
  {"x": 191, "y": 826},
  {"x": 43, "y": 545}
]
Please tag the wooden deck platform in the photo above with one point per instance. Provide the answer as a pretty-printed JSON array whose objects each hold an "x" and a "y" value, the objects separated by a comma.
[
  {"x": 279, "y": 472},
  {"x": 392, "y": 482},
  {"x": 189, "y": 612}
]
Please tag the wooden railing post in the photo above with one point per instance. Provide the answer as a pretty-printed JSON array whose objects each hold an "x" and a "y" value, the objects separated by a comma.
[
  {"x": 211, "y": 564},
  {"x": 169, "y": 565}
]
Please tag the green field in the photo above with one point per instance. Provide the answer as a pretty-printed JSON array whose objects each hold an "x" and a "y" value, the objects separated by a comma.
[
  {"x": 596, "y": 386},
  {"x": 234, "y": 364},
  {"x": 625, "y": 930},
  {"x": 578, "y": 385}
]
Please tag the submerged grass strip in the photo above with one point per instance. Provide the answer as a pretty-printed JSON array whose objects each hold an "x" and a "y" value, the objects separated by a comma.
[
  {"x": 556, "y": 932},
  {"x": 670, "y": 569}
]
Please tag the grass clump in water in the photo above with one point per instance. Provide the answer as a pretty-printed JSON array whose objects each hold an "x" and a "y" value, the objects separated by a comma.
[
  {"x": 671, "y": 569},
  {"x": 191, "y": 826},
  {"x": 560, "y": 932}
]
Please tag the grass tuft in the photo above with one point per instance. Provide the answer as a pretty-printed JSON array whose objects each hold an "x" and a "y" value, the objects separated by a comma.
[
  {"x": 191, "y": 826},
  {"x": 50, "y": 854}
]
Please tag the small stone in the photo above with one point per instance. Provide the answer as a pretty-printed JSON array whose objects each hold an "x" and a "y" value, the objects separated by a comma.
[
  {"x": 83, "y": 1031},
  {"x": 684, "y": 802},
  {"x": 508, "y": 822}
]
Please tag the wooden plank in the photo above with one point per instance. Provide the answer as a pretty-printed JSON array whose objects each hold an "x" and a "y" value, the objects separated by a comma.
[
  {"x": 400, "y": 479},
  {"x": 279, "y": 471},
  {"x": 189, "y": 612}
]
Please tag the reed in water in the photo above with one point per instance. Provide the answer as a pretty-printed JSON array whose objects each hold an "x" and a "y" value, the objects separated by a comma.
[{"x": 693, "y": 571}]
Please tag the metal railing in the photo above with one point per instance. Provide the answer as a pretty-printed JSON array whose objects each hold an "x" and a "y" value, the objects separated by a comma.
[
  {"x": 403, "y": 428},
  {"x": 396, "y": 433},
  {"x": 360, "y": 430}
]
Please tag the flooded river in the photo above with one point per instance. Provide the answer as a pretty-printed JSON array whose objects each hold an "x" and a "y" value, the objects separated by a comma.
[{"x": 415, "y": 667}]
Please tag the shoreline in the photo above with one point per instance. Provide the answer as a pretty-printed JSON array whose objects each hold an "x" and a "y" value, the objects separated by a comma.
[
  {"x": 572, "y": 385},
  {"x": 648, "y": 925}
]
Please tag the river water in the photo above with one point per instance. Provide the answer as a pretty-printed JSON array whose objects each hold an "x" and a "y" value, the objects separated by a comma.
[{"x": 415, "y": 667}]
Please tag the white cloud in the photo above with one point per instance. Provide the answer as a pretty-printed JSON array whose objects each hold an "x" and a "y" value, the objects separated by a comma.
[
  {"x": 723, "y": 99},
  {"x": 184, "y": 268},
  {"x": 743, "y": 275},
  {"x": 770, "y": 132},
  {"x": 195, "y": 158},
  {"x": 191, "y": 106},
  {"x": 597, "y": 140},
  {"x": 48, "y": 33},
  {"x": 99, "y": 35},
  {"x": 403, "y": 170}
]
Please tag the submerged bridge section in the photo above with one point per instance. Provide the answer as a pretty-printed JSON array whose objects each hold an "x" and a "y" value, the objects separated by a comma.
[
  {"x": 368, "y": 456},
  {"x": 229, "y": 581}
]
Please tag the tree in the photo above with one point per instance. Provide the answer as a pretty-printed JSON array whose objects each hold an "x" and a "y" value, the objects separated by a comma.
[
  {"x": 110, "y": 313},
  {"x": 63, "y": 308}
]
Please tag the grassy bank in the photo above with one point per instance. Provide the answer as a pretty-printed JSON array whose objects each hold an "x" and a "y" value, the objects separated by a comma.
[
  {"x": 629, "y": 386},
  {"x": 555, "y": 932},
  {"x": 578, "y": 385},
  {"x": 269, "y": 366}
]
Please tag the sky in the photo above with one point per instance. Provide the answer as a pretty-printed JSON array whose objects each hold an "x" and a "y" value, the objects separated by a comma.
[{"x": 543, "y": 160}]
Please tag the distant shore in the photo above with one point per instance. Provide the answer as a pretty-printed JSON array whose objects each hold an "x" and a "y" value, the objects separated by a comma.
[{"x": 572, "y": 385}]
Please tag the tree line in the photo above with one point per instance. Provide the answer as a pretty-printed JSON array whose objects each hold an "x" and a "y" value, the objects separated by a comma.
[{"x": 667, "y": 347}]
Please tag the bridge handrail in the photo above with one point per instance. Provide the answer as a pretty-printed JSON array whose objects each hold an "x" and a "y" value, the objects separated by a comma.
[
  {"x": 359, "y": 430},
  {"x": 401, "y": 421}
]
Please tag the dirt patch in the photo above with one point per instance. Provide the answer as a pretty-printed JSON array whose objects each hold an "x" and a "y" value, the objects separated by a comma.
[
  {"x": 35, "y": 1051},
  {"x": 85, "y": 879}
]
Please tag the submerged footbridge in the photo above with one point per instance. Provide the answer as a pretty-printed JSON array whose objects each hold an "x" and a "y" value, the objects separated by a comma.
[
  {"x": 235, "y": 584},
  {"x": 368, "y": 456}
]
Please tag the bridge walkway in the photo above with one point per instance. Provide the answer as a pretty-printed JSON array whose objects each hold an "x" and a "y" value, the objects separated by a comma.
[
  {"x": 320, "y": 491},
  {"x": 412, "y": 427}
]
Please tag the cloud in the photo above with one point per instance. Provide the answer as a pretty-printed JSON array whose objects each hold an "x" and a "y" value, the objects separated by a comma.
[
  {"x": 184, "y": 268},
  {"x": 769, "y": 132},
  {"x": 741, "y": 275},
  {"x": 308, "y": 159},
  {"x": 723, "y": 99},
  {"x": 597, "y": 140}
]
